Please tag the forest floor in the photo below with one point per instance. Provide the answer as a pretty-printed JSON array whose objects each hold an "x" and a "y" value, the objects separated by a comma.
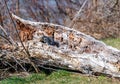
[{"x": 65, "y": 77}]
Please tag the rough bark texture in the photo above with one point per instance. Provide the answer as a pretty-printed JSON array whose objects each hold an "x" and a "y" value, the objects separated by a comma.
[{"x": 76, "y": 50}]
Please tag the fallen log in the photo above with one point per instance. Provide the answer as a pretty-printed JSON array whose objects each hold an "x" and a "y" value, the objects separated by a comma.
[{"x": 76, "y": 50}]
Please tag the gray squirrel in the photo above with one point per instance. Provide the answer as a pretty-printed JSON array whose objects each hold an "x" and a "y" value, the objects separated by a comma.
[{"x": 49, "y": 41}]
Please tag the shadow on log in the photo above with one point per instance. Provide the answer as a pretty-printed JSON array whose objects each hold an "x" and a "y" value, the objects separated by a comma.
[{"x": 76, "y": 50}]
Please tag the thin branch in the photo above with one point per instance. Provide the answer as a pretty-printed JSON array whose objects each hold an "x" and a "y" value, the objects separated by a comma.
[
  {"x": 1, "y": 19},
  {"x": 3, "y": 30},
  {"x": 18, "y": 63},
  {"x": 7, "y": 37},
  {"x": 17, "y": 7},
  {"x": 75, "y": 17},
  {"x": 11, "y": 65}
]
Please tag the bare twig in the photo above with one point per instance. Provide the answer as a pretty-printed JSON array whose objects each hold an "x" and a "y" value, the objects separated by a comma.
[
  {"x": 17, "y": 7},
  {"x": 18, "y": 63},
  {"x": 75, "y": 17},
  {"x": 7, "y": 37},
  {"x": 3, "y": 30},
  {"x": 1, "y": 19},
  {"x": 11, "y": 65}
]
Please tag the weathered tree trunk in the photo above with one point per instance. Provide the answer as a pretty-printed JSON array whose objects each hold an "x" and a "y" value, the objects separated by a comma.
[{"x": 76, "y": 50}]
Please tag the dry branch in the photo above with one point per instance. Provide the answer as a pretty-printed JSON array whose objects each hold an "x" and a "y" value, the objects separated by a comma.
[
  {"x": 78, "y": 14},
  {"x": 7, "y": 37}
]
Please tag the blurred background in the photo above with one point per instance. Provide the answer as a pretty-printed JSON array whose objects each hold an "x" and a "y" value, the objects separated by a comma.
[{"x": 98, "y": 18}]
